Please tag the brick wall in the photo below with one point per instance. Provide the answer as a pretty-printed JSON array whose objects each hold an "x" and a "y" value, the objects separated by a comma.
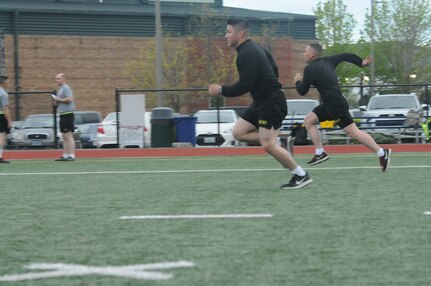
[{"x": 95, "y": 66}]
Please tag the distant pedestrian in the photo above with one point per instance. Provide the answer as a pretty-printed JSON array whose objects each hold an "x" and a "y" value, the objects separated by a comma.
[
  {"x": 5, "y": 118},
  {"x": 320, "y": 73},
  {"x": 260, "y": 124},
  {"x": 65, "y": 106}
]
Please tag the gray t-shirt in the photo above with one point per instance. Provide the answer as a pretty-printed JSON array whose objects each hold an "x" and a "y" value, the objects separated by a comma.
[
  {"x": 4, "y": 99},
  {"x": 64, "y": 92}
]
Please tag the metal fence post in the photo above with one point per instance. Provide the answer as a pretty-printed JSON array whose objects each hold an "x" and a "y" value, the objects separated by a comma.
[
  {"x": 117, "y": 111},
  {"x": 427, "y": 102}
]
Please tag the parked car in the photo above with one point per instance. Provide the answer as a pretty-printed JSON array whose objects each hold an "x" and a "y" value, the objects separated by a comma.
[
  {"x": 15, "y": 125},
  {"x": 107, "y": 131},
  {"x": 390, "y": 109},
  {"x": 38, "y": 130},
  {"x": 85, "y": 117},
  {"x": 356, "y": 112},
  {"x": 88, "y": 134},
  {"x": 213, "y": 129},
  {"x": 35, "y": 131},
  {"x": 239, "y": 109},
  {"x": 297, "y": 109}
]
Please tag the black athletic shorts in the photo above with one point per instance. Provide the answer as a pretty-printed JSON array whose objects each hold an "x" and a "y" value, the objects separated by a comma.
[
  {"x": 268, "y": 113},
  {"x": 341, "y": 116},
  {"x": 67, "y": 123},
  {"x": 3, "y": 125}
]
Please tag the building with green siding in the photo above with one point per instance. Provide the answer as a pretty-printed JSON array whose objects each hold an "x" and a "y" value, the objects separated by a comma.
[{"x": 92, "y": 40}]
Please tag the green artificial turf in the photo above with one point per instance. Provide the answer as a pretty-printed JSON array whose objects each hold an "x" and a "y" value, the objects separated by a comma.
[{"x": 354, "y": 225}]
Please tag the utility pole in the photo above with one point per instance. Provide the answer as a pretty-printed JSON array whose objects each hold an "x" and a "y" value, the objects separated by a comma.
[
  {"x": 372, "y": 69},
  {"x": 159, "y": 60}
]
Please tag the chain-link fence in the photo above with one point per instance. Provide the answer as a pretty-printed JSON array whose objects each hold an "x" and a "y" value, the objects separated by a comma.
[{"x": 187, "y": 101}]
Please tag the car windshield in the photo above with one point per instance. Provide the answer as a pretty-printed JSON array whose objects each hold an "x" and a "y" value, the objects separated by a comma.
[
  {"x": 211, "y": 117},
  {"x": 393, "y": 102},
  {"x": 111, "y": 117},
  {"x": 87, "y": 128},
  {"x": 16, "y": 124},
  {"x": 299, "y": 108},
  {"x": 38, "y": 122}
]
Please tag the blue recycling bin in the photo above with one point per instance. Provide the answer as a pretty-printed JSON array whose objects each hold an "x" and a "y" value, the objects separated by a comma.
[{"x": 185, "y": 128}]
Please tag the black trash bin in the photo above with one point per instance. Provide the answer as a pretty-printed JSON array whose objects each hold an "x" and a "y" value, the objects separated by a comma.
[{"x": 162, "y": 127}]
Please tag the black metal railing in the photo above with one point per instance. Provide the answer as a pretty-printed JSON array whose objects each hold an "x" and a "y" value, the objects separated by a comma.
[{"x": 33, "y": 102}]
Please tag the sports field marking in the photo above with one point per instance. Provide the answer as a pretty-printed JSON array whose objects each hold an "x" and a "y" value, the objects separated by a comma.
[
  {"x": 139, "y": 271},
  {"x": 427, "y": 213},
  {"x": 199, "y": 171},
  {"x": 196, "y": 216}
]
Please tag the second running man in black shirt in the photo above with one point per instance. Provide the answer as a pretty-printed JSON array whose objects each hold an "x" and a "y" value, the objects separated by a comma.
[
  {"x": 320, "y": 72},
  {"x": 258, "y": 74}
]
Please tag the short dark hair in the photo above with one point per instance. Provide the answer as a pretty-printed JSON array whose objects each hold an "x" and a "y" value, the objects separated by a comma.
[
  {"x": 240, "y": 23},
  {"x": 317, "y": 47}
]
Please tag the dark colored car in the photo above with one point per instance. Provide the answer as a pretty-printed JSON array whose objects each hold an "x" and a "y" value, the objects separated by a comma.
[{"x": 88, "y": 134}]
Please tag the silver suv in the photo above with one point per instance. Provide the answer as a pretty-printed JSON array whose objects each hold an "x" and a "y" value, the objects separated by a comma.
[
  {"x": 390, "y": 109},
  {"x": 297, "y": 109}
]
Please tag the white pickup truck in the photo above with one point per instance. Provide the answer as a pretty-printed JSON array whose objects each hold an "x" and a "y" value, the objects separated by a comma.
[{"x": 390, "y": 109}]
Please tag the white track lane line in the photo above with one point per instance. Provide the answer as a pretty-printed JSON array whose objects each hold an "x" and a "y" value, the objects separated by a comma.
[
  {"x": 199, "y": 171},
  {"x": 197, "y": 216}
]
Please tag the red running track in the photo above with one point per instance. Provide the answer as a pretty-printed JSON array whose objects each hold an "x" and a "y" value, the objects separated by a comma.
[{"x": 173, "y": 152}]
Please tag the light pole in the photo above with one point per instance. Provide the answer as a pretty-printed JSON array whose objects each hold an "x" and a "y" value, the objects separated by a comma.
[
  {"x": 372, "y": 71},
  {"x": 159, "y": 60}
]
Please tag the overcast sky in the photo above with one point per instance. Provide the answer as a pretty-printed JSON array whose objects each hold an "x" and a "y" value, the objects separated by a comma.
[{"x": 355, "y": 7}]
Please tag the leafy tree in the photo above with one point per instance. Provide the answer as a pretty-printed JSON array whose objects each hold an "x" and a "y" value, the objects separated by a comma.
[
  {"x": 334, "y": 25},
  {"x": 402, "y": 37},
  {"x": 334, "y": 29},
  {"x": 268, "y": 33},
  {"x": 212, "y": 63},
  {"x": 176, "y": 68},
  {"x": 188, "y": 61},
  {"x": 335, "y": 32}
]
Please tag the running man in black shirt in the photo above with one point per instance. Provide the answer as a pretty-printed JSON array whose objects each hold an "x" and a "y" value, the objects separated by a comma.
[
  {"x": 320, "y": 72},
  {"x": 258, "y": 74}
]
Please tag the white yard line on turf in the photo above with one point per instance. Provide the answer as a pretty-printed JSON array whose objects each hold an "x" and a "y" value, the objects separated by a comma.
[
  {"x": 196, "y": 216},
  {"x": 139, "y": 172},
  {"x": 138, "y": 271},
  {"x": 427, "y": 213},
  {"x": 198, "y": 171}
]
